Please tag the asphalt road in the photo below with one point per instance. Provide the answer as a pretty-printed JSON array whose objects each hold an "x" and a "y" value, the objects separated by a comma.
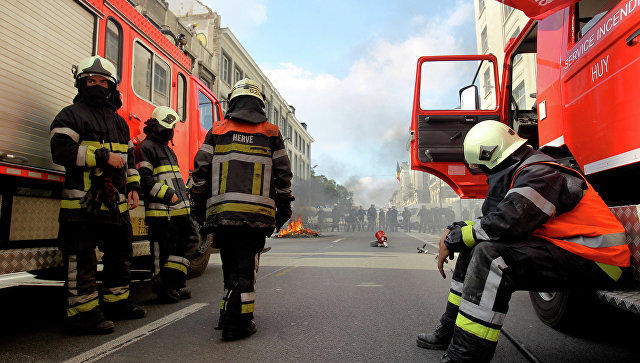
[{"x": 332, "y": 298}]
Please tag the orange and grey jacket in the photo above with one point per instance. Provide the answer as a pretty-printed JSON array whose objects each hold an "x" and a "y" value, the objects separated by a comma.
[
  {"x": 244, "y": 170},
  {"x": 80, "y": 137}
]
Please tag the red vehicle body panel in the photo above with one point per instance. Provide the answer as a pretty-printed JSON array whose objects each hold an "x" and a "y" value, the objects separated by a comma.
[{"x": 189, "y": 134}]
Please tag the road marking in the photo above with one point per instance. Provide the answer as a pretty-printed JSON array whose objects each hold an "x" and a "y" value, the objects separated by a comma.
[
  {"x": 368, "y": 284},
  {"x": 287, "y": 270},
  {"x": 132, "y": 337},
  {"x": 338, "y": 240},
  {"x": 271, "y": 273}
]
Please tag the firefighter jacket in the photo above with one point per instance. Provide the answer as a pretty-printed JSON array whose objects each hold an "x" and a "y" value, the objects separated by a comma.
[
  {"x": 544, "y": 199},
  {"x": 81, "y": 137},
  {"x": 247, "y": 172},
  {"x": 160, "y": 179}
]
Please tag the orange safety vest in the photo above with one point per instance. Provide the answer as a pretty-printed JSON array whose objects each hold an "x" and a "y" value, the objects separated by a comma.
[{"x": 589, "y": 230}]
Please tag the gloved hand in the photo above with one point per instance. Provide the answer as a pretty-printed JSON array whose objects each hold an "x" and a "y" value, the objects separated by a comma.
[
  {"x": 283, "y": 209},
  {"x": 198, "y": 207},
  {"x": 455, "y": 240}
]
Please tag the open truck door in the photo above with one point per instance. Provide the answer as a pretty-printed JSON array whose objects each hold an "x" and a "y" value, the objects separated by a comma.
[{"x": 452, "y": 94}]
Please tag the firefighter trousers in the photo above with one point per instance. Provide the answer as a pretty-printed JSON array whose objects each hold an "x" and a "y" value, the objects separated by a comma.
[
  {"x": 172, "y": 243},
  {"x": 240, "y": 250},
  {"x": 78, "y": 245},
  {"x": 485, "y": 277}
]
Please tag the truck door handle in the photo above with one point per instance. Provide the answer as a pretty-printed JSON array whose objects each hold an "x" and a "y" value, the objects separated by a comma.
[
  {"x": 131, "y": 115},
  {"x": 633, "y": 37}
]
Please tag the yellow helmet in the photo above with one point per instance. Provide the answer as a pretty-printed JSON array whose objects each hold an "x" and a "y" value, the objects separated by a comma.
[
  {"x": 165, "y": 116},
  {"x": 246, "y": 87},
  {"x": 96, "y": 65},
  {"x": 490, "y": 142}
]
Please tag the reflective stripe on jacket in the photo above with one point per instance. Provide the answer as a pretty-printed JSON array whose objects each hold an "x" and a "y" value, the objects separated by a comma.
[
  {"x": 245, "y": 166},
  {"x": 589, "y": 230}
]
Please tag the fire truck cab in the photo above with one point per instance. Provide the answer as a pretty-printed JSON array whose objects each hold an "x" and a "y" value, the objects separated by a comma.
[
  {"x": 584, "y": 113},
  {"x": 42, "y": 42}
]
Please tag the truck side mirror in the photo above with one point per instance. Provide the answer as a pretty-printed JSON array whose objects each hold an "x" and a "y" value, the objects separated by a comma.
[{"x": 469, "y": 99}]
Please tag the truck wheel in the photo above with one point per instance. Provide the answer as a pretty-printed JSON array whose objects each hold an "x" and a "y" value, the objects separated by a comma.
[
  {"x": 198, "y": 265},
  {"x": 559, "y": 310}
]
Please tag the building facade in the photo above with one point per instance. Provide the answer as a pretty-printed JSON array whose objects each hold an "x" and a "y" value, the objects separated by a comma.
[
  {"x": 496, "y": 24},
  {"x": 219, "y": 60}
]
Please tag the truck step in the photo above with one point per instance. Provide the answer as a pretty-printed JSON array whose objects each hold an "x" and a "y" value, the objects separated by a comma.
[{"x": 627, "y": 299}]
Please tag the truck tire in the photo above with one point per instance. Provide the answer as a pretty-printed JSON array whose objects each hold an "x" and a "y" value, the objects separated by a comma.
[
  {"x": 199, "y": 264},
  {"x": 559, "y": 310}
]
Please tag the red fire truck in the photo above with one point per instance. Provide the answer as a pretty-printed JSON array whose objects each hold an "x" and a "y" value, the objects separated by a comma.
[
  {"x": 41, "y": 41},
  {"x": 587, "y": 57}
]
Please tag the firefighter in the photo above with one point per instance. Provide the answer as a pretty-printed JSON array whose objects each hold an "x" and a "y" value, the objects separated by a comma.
[
  {"x": 425, "y": 217},
  {"x": 543, "y": 228},
  {"x": 371, "y": 217},
  {"x": 322, "y": 216},
  {"x": 167, "y": 206},
  {"x": 101, "y": 184},
  {"x": 361, "y": 213},
  {"x": 243, "y": 174},
  {"x": 406, "y": 219},
  {"x": 336, "y": 215}
]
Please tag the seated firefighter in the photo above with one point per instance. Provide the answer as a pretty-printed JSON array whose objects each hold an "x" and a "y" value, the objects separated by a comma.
[
  {"x": 166, "y": 206},
  {"x": 532, "y": 236}
]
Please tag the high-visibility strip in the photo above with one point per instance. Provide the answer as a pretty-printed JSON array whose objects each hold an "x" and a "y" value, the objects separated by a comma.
[
  {"x": 75, "y": 204},
  {"x": 241, "y": 197},
  {"x": 242, "y": 157},
  {"x": 65, "y": 131},
  {"x": 257, "y": 179},
  {"x": 605, "y": 240},
  {"x": 467, "y": 236},
  {"x": 536, "y": 198},
  {"x": 206, "y": 148},
  {"x": 176, "y": 266},
  {"x": 87, "y": 180},
  {"x": 133, "y": 179},
  {"x": 248, "y": 308},
  {"x": 165, "y": 169},
  {"x": 613, "y": 271},
  {"x": 81, "y": 155},
  {"x": 279, "y": 153},
  {"x": 132, "y": 171},
  {"x": 247, "y": 296},
  {"x": 456, "y": 286},
  {"x": 130, "y": 144},
  {"x": 155, "y": 189},
  {"x": 243, "y": 208},
  {"x": 454, "y": 299},
  {"x": 81, "y": 299},
  {"x": 111, "y": 298},
  {"x": 73, "y": 193},
  {"x": 266, "y": 181},
  {"x": 251, "y": 149},
  {"x": 165, "y": 213},
  {"x": 223, "y": 177},
  {"x": 145, "y": 164},
  {"x": 162, "y": 191},
  {"x": 491, "y": 284},
  {"x": 82, "y": 308},
  {"x": 477, "y": 329},
  {"x": 482, "y": 313},
  {"x": 178, "y": 259},
  {"x": 223, "y": 304},
  {"x": 91, "y": 156},
  {"x": 480, "y": 233},
  {"x": 112, "y": 146}
]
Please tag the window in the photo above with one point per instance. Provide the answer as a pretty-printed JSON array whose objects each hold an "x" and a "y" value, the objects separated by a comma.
[
  {"x": 142, "y": 71},
  {"x": 206, "y": 111},
  {"x": 480, "y": 7},
  {"x": 588, "y": 13},
  {"x": 182, "y": 97},
  {"x": 206, "y": 77},
  {"x": 484, "y": 40},
  {"x": 151, "y": 83},
  {"x": 161, "y": 77},
  {"x": 237, "y": 74},
  {"x": 113, "y": 45},
  {"x": 508, "y": 10},
  {"x": 289, "y": 130},
  {"x": 518, "y": 96},
  {"x": 225, "y": 72},
  {"x": 487, "y": 82},
  {"x": 275, "y": 116}
]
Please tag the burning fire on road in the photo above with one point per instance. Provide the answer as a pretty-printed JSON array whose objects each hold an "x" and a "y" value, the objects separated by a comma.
[{"x": 295, "y": 230}]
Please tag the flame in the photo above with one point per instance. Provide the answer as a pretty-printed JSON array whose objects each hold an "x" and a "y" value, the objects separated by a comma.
[{"x": 295, "y": 228}]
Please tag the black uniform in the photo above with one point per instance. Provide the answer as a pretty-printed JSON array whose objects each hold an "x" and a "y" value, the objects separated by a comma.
[
  {"x": 382, "y": 219},
  {"x": 426, "y": 219},
  {"x": 94, "y": 209},
  {"x": 406, "y": 219},
  {"x": 507, "y": 256},
  {"x": 243, "y": 174},
  {"x": 170, "y": 227},
  {"x": 336, "y": 215},
  {"x": 371, "y": 218},
  {"x": 392, "y": 219}
]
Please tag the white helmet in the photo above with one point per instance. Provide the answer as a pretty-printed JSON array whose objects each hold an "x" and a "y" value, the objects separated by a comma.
[
  {"x": 246, "y": 87},
  {"x": 490, "y": 142},
  {"x": 165, "y": 116},
  {"x": 95, "y": 66}
]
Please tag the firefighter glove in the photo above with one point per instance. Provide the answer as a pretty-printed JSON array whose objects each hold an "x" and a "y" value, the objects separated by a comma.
[{"x": 460, "y": 239}]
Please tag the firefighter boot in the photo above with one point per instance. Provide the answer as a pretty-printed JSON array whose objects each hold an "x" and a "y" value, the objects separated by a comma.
[
  {"x": 185, "y": 293},
  {"x": 230, "y": 334},
  {"x": 100, "y": 328},
  {"x": 441, "y": 336},
  {"x": 165, "y": 293},
  {"x": 123, "y": 310}
]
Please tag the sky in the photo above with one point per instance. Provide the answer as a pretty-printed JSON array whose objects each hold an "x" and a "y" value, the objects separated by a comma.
[{"x": 348, "y": 67}]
